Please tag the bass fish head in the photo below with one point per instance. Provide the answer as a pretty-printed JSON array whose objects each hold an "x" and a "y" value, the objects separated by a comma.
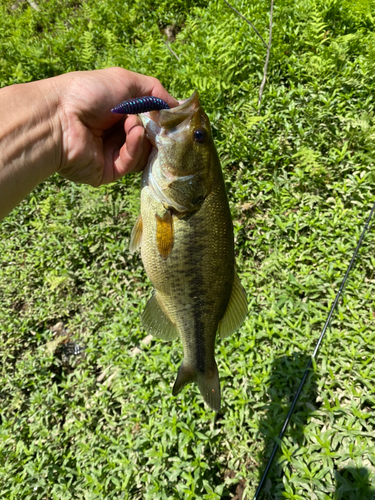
[{"x": 184, "y": 164}]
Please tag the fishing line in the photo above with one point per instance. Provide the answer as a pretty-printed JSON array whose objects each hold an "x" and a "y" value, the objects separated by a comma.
[{"x": 312, "y": 359}]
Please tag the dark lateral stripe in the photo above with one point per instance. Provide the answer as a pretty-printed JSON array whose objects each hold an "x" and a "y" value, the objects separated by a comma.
[
  {"x": 200, "y": 348},
  {"x": 197, "y": 297}
]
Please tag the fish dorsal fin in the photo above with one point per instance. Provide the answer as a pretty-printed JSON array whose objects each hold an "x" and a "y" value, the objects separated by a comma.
[
  {"x": 236, "y": 310},
  {"x": 136, "y": 236},
  {"x": 164, "y": 234},
  {"x": 156, "y": 322}
]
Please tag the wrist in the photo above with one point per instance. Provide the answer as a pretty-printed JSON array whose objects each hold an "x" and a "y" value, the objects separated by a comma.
[
  {"x": 50, "y": 125},
  {"x": 30, "y": 139}
]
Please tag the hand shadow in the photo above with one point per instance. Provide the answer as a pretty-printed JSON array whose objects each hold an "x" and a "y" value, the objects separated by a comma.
[
  {"x": 354, "y": 484},
  {"x": 286, "y": 375}
]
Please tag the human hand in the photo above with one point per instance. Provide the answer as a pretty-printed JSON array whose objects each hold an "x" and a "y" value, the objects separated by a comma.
[{"x": 97, "y": 146}]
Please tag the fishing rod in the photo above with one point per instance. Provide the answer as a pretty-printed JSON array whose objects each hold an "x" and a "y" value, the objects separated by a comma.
[{"x": 312, "y": 359}]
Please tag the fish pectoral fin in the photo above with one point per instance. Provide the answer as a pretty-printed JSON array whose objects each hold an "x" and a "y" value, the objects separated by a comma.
[
  {"x": 136, "y": 236},
  {"x": 164, "y": 234},
  {"x": 208, "y": 383},
  {"x": 236, "y": 310},
  {"x": 156, "y": 322}
]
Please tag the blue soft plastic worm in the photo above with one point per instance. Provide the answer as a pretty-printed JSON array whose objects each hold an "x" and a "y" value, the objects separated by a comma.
[{"x": 140, "y": 105}]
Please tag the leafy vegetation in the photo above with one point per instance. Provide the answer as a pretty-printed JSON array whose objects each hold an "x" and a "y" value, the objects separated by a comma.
[{"x": 300, "y": 177}]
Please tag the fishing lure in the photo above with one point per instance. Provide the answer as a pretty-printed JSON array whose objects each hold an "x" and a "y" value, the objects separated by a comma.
[{"x": 140, "y": 105}]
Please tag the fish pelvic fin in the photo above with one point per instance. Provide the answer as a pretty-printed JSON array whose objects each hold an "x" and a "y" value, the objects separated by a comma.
[
  {"x": 136, "y": 236},
  {"x": 208, "y": 383},
  {"x": 164, "y": 234}
]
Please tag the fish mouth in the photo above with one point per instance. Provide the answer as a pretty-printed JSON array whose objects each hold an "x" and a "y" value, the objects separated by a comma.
[
  {"x": 155, "y": 121},
  {"x": 169, "y": 125},
  {"x": 170, "y": 118}
]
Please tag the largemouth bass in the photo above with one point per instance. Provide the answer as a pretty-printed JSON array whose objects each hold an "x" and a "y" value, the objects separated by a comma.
[{"x": 186, "y": 238}]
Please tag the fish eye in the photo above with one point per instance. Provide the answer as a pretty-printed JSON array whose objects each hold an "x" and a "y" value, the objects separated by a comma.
[{"x": 200, "y": 135}]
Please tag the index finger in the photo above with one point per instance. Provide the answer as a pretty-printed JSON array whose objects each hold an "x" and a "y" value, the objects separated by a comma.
[{"x": 137, "y": 85}]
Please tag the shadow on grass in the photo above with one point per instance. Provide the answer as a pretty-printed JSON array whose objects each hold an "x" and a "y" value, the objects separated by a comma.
[
  {"x": 354, "y": 484},
  {"x": 286, "y": 375}
]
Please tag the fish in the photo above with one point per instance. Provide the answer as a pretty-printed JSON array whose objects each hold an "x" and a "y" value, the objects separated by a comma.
[{"x": 185, "y": 235}]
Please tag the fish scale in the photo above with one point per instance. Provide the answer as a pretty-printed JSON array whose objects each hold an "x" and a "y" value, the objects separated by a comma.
[
  {"x": 188, "y": 283},
  {"x": 186, "y": 237}
]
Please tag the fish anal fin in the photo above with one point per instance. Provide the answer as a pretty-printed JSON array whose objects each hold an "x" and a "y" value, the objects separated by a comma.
[
  {"x": 164, "y": 233},
  {"x": 236, "y": 310},
  {"x": 156, "y": 321},
  {"x": 136, "y": 236},
  {"x": 208, "y": 383}
]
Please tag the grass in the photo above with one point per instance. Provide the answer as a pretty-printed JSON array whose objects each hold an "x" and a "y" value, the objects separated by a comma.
[{"x": 300, "y": 180}]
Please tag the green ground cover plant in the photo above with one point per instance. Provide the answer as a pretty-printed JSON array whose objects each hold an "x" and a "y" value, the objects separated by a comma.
[{"x": 300, "y": 179}]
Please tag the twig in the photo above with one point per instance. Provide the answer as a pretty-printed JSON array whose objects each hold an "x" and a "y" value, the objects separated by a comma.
[
  {"x": 267, "y": 60},
  {"x": 171, "y": 51},
  {"x": 33, "y": 5},
  {"x": 248, "y": 22}
]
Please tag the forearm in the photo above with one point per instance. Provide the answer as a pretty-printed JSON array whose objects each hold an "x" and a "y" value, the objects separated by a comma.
[
  {"x": 29, "y": 140},
  {"x": 64, "y": 124}
]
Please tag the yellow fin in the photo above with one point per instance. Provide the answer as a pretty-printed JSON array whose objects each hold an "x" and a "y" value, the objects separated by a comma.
[
  {"x": 136, "y": 236},
  {"x": 156, "y": 322},
  {"x": 164, "y": 234},
  {"x": 236, "y": 311}
]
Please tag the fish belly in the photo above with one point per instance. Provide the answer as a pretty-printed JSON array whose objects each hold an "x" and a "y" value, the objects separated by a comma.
[{"x": 194, "y": 282}]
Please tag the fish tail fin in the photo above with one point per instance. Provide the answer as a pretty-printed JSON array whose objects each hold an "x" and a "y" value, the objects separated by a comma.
[
  {"x": 185, "y": 375},
  {"x": 208, "y": 383}
]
